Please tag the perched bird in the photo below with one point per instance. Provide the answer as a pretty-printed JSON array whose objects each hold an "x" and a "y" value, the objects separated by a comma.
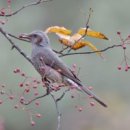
[{"x": 50, "y": 66}]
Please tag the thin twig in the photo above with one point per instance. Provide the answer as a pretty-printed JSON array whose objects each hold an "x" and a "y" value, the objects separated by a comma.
[
  {"x": 86, "y": 29},
  {"x": 42, "y": 96},
  {"x": 63, "y": 94},
  {"x": 90, "y": 52},
  {"x": 25, "y": 6}
]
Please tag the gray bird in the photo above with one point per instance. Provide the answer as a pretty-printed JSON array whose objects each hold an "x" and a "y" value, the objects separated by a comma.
[{"x": 50, "y": 66}]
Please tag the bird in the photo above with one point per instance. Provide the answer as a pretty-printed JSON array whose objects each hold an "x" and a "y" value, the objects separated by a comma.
[{"x": 50, "y": 66}]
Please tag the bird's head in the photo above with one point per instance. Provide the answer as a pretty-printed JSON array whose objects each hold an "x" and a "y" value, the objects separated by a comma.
[{"x": 37, "y": 38}]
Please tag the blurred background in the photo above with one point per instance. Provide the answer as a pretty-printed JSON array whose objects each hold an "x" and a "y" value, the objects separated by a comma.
[{"x": 109, "y": 83}]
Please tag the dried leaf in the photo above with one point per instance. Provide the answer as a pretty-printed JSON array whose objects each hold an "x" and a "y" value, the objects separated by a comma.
[
  {"x": 74, "y": 43},
  {"x": 92, "y": 33},
  {"x": 81, "y": 44},
  {"x": 57, "y": 29}
]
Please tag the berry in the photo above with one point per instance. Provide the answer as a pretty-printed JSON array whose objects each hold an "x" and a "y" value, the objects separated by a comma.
[
  {"x": 124, "y": 47},
  {"x": 17, "y": 70},
  {"x": 16, "y": 106},
  {"x": 33, "y": 123},
  {"x": 37, "y": 103},
  {"x": 90, "y": 87},
  {"x": 118, "y": 33},
  {"x": 23, "y": 74},
  {"x": 11, "y": 97},
  {"x": 80, "y": 109},
  {"x": 1, "y": 101},
  {"x": 92, "y": 104},
  {"x": 38, "y": 115},
  {"x": 21, "y": 85},
  {"x": 119, "y": 67}
]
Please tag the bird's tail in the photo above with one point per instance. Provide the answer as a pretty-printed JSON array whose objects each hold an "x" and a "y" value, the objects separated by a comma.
[
  {"x": 80, "y": 87},
  {"x": 87, "y": 91}
]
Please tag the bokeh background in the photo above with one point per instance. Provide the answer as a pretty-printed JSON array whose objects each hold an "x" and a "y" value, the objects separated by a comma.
[{"x": 110, "y": 83}]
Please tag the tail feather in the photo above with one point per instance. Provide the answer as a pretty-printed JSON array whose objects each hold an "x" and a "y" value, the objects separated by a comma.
[
  {"x": 87, "y": 91},
  {"x": 80, "y": 87}
]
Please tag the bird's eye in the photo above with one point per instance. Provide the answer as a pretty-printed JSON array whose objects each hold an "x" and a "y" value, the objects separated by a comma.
[{"x": 35, "y": 36}]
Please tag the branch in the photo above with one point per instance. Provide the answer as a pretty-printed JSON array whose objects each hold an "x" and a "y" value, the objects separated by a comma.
[
  {"x": 63, "y": 94},
  {"x": 89, "y": 52},
  {"x": 58, "y": 112},
  {"x": 25, "y": 6},
  {"x": 86, "y": 29},
  {"x": 57, "y": 107},
  {"x": 42, "y": 96},
  {"x": 15, "y": 46}
]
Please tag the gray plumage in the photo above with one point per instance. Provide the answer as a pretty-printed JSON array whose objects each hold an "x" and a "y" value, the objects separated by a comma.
[{"x": 50, "y": 66}]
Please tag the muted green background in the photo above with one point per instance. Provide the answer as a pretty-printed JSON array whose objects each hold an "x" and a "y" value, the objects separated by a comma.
[{"x": 109, "y": 16}]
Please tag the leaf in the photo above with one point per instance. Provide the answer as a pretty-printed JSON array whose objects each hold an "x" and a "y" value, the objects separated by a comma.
[
  {"x": 57, "y": 29},
  {"x": 81, "y": 44},
  {"x": 71, "y": 39},
  {"x": 92, "y": 33},
  {"x": 75, "y": 43}
]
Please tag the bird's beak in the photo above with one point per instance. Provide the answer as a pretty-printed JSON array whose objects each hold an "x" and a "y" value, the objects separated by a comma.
[{"x": 25, "y": 36}]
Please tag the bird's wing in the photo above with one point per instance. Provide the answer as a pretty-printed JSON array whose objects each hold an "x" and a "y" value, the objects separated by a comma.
[{"x": 51, "y": 59}]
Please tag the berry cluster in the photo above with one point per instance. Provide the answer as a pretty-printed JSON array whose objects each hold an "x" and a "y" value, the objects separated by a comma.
[
  {"x": 5, "y": 11},
  {"x": 29, "y": 91},
  {"x": 124, "y": 43},
  {"x": 30, "y": 86}
]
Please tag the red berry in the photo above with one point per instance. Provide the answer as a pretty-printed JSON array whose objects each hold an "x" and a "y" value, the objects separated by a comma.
[
  {"x": 126, "y": 69},
  {"x": 90, "y": 87},
  {"x": 118, "y": 33},
  {"x": 124, "y": 47},
  {"x": 37, "y": 103},
  {"x": 36, "y": 93},
  {"x": 21, "y": 85},
  {"x": 38, "y": 115},
  {"x": 2, "y": 11},
  {"x": 11, "y": 97},
  {"x": 119, "y": 67},
  {"x": 1, "y": 101},
  {"x": 17, "y": 70},
  {"x": 92, "y": 103},
  {"x": 80, "y": 109},
  {"x": 16, "y": 106},
  {"x": 21, "y": 98},
  {"x": 33, "y": 123},
  {"x": 27, "y": 90},
  {"x": 23, "y": 74},
  {"x": 8, "y": 1}
]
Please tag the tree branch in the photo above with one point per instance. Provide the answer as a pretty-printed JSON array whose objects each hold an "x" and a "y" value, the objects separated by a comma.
[
  {"x": 88, "y": 52},
  {"x": 25, "y": 6},
  {"x": 58, "y": 112},
  {"x": 15, "y": 46},
  {"x": 39, "y": 97},
  {"x": 86, "y": 29}
]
